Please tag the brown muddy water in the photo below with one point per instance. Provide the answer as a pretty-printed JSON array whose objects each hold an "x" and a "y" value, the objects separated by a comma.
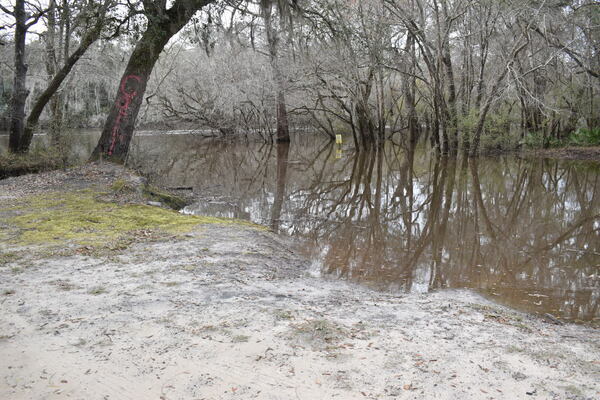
[{"x": 523, "y": 232}]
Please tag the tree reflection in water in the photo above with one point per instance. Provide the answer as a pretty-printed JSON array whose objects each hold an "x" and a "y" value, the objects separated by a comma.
[{"x": 524, "y": 232}]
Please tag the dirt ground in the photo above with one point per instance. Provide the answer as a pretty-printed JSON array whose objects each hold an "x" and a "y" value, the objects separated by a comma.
[{"x": 229, "y": 311}]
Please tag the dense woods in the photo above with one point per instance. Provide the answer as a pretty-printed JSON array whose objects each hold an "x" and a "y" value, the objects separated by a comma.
[{"x": 471, "y": 75}]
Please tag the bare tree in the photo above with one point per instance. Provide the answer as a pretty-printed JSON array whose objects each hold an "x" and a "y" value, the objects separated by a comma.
[
  {"x": 96, "y": 14},
  {"x": 25, "y": 14}
]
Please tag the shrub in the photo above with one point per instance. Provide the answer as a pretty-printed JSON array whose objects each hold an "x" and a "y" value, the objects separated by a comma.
[
  {"x": 536, "y": 140},
  {"x": 585, "y": 137}
]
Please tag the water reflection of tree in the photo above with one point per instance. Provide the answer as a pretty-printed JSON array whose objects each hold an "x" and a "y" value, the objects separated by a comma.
[
  {"x": 521, "y": 234},
  {"x": 283, "y": 151},
  {"x": 402, "y": 219},
  {"x": 537, "y": 227}
]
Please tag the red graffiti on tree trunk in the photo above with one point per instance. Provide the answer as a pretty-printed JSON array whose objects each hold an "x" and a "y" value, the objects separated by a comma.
[{"x": 123, "y": 103}]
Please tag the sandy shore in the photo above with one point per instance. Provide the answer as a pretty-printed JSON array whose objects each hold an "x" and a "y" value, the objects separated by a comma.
[{"x": 228, "y": 311}]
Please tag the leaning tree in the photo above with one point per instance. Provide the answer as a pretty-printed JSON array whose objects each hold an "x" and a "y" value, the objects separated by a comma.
[
  {"x": 162, "y": 23},
  {"x": 92, "y": 17}
]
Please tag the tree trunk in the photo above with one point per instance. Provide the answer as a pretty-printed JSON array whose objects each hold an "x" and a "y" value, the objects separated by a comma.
[
  {"x": 491, "y": 97},
  {"x": 20, "y": 92},
  {"x": 54, "y": 84},
  {"x": 283, "y": 130},
  {"x": 451, "y": 109},
  {"x": 162, "y": 25},
  {"x": 51, "y": 67},
  {"x": 408, "y": 86},
  {"x": 118, "y": 128}
]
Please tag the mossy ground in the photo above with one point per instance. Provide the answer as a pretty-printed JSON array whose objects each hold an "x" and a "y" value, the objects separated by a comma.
[
  {"x": 84, "y": 217},
  {"x": 34, "y": 161}
]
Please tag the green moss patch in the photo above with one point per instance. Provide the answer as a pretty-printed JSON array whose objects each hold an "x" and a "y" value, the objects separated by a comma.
[
  {"x": 35, "y": 161},
  {"x": 79, "y": 217},
  {"x": 171, "y": 201}
]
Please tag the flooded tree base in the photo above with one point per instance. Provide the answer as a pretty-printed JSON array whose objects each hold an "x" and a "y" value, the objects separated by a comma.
[{"x": 227, "y": 310}]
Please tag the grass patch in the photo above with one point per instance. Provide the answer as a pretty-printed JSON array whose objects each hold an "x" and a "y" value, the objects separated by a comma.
[
  {"x": 120, "y": 185},
  {"x": 34, "y": 161}
]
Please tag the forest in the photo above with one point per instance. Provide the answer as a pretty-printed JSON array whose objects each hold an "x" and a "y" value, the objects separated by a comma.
[
  {"x": 300, "y": 199},
  {"x": 470, "y": 76}
]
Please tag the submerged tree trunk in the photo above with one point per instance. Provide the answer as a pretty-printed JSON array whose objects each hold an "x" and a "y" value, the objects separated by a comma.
[
  {"x": 20, "y": 92},
  {"x": 162, "y": 25}
]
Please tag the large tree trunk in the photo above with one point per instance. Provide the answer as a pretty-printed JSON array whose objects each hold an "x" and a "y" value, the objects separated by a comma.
[
  {"x": 20, "y": 92},
  {"x": 162, "y": 25},
  {"x": 118, "y": 128}
]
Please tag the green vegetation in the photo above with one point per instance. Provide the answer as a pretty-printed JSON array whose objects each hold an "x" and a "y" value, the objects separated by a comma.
[
  {"x": 152, "y": 193},
  {"x": 585, "y": 137},
  {"x": 581, "y": 137},
  {"x": 120, "y": 186},
  {"x": 37, "y": 160},
  {"x": 81, "y": 218},
  {"x": 171, "y": 201}
]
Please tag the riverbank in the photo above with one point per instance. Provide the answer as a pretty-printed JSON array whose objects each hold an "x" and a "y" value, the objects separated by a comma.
[
  {"x": 142, "y": 302},
  {"x": 34, "y": 162},
  {"x": 567, "y": 153}
]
